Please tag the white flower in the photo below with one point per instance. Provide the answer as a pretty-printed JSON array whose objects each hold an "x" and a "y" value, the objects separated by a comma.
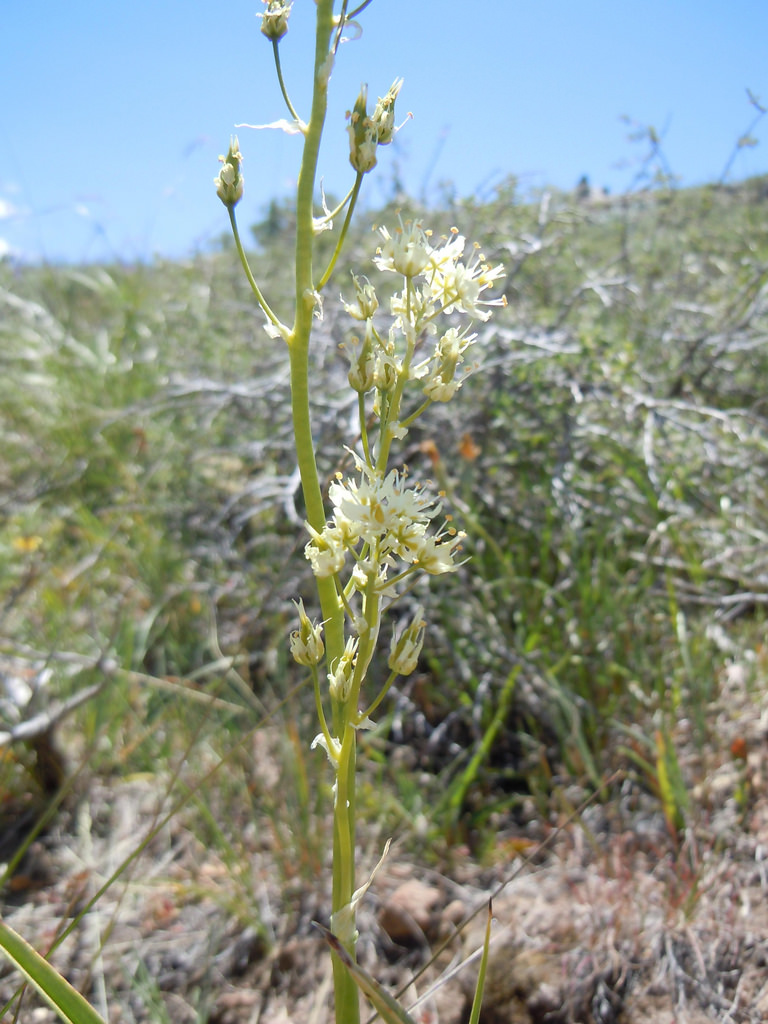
[
  {"x": 366, "y": 133},
  {"x": 436, "y": 555},
  {"x": 380, "y": 510},
  {"x": 450, "y": 348},
  {"x": 380, "y": 519},
  {"x": 396, "y": 431},
  {"x": 450, "y": 252},
  {"x": 454, "y": 284},
  {"x": 326, "y": 551},
  {"x": 360, "y": 574},
  {"x": 386, "y": 371},
  {"x": 458, "y": 286},
  {"x": 407, "y": 253},
  {"x": 416, "y": 305}
]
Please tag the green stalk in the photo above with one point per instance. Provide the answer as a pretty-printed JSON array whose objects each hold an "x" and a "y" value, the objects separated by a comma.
[
  {"x": 248, "y": 273},
  {"x": 344, "y": 228},
  {"x": 279, "y": 70},
  {"x": 299, "y": 337},
  {"x": 345, "y": 991}
]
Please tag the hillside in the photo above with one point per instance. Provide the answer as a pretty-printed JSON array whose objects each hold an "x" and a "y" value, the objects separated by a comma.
[{"x": 589, "y": 719}]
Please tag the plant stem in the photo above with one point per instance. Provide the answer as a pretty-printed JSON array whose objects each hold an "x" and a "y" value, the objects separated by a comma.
[
  {"x": 346, "y": 998},
  {"x": 283, "y": 90},
  {"x": 345, "y": 226},
  {"x": 248, "y": 273},
  {"x": 298, "y": 340}
]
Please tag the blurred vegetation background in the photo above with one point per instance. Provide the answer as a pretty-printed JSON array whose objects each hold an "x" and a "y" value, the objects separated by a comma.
[{"x": 608, "y": 458}]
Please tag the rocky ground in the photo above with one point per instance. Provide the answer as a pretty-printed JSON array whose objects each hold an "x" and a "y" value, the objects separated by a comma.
[{"x": 612, "y": 919}]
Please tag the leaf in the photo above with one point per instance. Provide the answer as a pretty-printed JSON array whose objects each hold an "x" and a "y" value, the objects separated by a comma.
[
  {"x": 289, "y": 127},
  {"x": 385, "y": 1004},
  {"x": 674, "y": 796},
  {"x": 343, "y": 921},
  {"x": 477, "y": 1002},
  {"x": 57, "y": 991}
]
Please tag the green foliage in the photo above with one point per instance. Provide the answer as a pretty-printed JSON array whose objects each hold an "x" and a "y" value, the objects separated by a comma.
[{"x": 610, "y": 475}]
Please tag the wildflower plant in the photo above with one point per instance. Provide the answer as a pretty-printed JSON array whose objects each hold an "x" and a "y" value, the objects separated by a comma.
[{"x": 381, "y": 531}]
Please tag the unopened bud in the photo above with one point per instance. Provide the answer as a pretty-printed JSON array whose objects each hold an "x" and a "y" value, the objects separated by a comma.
[
  {"x": 362, "y": 364},
  {"x": 404, "y": 650},
  {"x": 307, "y": 645},
  {"x": 362, "y": 137},
  {"x": 340, "y": 680},
  {"x": 448, "y": 353},
  {"x": 386, "y": 372},
  {"x": 383, "y": 119},
  {"x": 229, "y": 182},
  {"x": 442, "y": 384},
  {"x": 366, "y": 304},
  {"x": 274, "y": 21}
]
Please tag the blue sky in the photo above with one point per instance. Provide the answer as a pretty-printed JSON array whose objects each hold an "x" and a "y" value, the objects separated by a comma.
[{"x": 114, "y": 112}]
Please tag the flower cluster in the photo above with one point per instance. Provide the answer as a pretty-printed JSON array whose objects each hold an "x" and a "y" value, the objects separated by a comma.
[
  {"x": 381, "y": 522},
  {"x": 437, "y": 280},
  {"x": 449, "y": 284}
]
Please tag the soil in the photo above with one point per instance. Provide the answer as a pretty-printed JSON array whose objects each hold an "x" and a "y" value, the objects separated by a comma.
[{"x": 603, "y": 914}]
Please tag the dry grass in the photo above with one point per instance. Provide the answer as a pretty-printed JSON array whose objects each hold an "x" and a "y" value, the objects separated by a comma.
[{"x": 616, "y": 920}]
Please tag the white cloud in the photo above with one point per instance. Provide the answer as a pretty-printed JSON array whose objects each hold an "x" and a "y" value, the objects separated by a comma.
[
  {"x": 6, "y": 209},
  {"x": 5, "y": 248}
]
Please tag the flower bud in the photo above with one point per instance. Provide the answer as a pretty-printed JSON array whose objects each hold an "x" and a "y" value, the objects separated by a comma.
[
  {"x": 442, "y": 384},
  {"x": 362, "y": 137},
  {"x": 229, "y": 183},
  {"x": 404, "y": 650},
  {"x": 340, "y": 680},
  {"x": 362, "y": 364},
  {"x": 439, "y": 390},
  {"x": 366, "y": 304},
  {"x": 448, "y": 353},
  {"x": 274, "y": 21},
  {"x": 307, "y": 645},
  {"x": 386, "y": 372},
  {"x": 383, "y": 119}
]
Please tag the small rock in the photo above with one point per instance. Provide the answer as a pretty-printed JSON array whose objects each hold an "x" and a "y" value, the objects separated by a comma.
[
  {"x": 408, "y": 915},
  {"x": 452, "y": 916}
]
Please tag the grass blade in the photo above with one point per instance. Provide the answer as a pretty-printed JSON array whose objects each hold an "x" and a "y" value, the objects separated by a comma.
[
  {"x": 385, "y": 1004},
  {"x": 477, "y": 1002},
  {"x": 65, "y": 1000}
]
